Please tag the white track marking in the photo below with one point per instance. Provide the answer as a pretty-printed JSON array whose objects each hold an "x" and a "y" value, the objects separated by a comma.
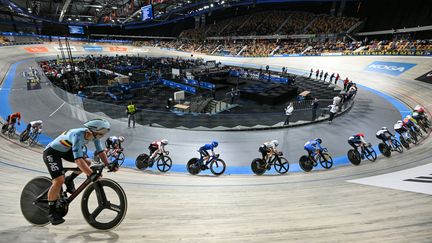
[{"x": 57, "y": 109}]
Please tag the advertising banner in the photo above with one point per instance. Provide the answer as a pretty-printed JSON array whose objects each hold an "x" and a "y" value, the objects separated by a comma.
[
  {"x": 391, "y": 68},
  {"x": 93, "y": 48},
  {"x": 36, "y": 49},
  {"x": 64, "y": 48},
  {"x": 118, "y": 49}
]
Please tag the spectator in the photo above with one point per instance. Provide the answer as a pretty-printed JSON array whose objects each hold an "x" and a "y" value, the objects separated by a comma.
[
  {"x": 310, "y": 74},
  {"x": 331, "y": 77},
  {"x": 333, "y": 111},
  {"x": 315, "y": 105},
  {"x": 321, "y": 74},
  {"x": 288, "y": 112},
  {"x": 130, "y": 111},
  {"x": 350, "y": 83},
  {"x": 337, "y": 78},
  {"x": 345, "y": 83},
  {"x": 316, "y": 74},
  {"x": 325, "y": 76}
]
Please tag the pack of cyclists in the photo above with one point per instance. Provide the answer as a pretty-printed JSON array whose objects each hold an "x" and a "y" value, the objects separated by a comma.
[{"x": 69, "y": 147}]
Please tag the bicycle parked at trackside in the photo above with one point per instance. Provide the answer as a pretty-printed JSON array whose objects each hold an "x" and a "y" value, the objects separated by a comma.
[
  {"x": 163, "y": 161},
  {"x": 217, "y": 166},
  {"x": 280, "y": 164},
  {"x": 366, "y": 151},
  {"x": 389, "y": 146},
  {"x": 103, "y": 195},
  {"x": 307, "y": 162}
]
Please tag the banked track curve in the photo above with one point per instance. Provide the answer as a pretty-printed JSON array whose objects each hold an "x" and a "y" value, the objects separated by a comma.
[{"x": 320, "y": 206}]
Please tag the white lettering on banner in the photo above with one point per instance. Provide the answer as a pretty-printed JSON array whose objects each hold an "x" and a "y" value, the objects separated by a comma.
[
  {"x": 390, "y": 68},
  {"x": 63, "y": 48}
]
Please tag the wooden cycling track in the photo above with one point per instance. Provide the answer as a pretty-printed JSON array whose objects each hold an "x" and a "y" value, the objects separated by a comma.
[{"x": 316, "y": 207}]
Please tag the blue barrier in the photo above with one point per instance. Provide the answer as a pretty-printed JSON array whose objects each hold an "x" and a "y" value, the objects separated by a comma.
[{"x": 175, "y": 85}]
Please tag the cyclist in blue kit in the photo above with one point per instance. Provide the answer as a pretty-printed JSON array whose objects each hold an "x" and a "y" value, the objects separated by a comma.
[
  {"x": 69, "y": 146},
  {"x": 204, "y": 155},
  {"x": 312, "y": 146}
]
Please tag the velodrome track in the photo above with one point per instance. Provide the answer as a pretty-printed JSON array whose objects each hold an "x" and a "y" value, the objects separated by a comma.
[{"x": 320, "y": 206}]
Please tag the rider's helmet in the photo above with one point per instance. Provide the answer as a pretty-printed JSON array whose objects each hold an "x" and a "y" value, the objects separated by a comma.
[
  {"x": 275, "y": 143},
  {"x": 409, "y": 116},
  {"x": 215, "y": 143},
  {"x": 415, "y": 115},
  {"x": 121, "y": 139},
  {"x": 384, "y": 128},
  {"x": 164, "y": 141},
  {"x": 39, "y": 121},
  {"x": 360, "y": 134},
  {"x": 99, "y": 127},
  {"x": 399, "y": 122},
  {"x": 318, "y": 140},
  {"x": 419, "y": 108}
]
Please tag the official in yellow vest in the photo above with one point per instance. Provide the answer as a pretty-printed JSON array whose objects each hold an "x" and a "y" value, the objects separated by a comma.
[{"x": 131, "y": 110}]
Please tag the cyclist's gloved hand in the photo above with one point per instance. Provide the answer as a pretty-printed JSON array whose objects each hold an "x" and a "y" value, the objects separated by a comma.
[
  {"x": 280, "y": 153},
  {"x": 167, "y": 152},
  {"x": 94, "y": 176}
]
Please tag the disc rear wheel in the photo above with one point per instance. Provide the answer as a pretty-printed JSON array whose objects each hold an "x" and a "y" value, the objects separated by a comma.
[{"x": 36, "y": 210}]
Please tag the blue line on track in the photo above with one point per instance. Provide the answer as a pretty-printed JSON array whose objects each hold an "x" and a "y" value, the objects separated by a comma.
[{"x": 5, "y": 110}]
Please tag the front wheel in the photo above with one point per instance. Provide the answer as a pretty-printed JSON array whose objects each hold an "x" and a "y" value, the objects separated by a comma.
[
  {"x": 192, "y": 166},
  {"x": 104, "y": 204},
  {"x": 354, "y": 156},
  {"x": 414, "y": 137},
  {"x": 33, "y": 139},
  {"x": 305, "y": 163},
  {"x": 398, "y": 146},
  {"x": 370, "y": 153},
  {"x": 217, "y": 167},
  {"x": 141, "y": 161},
  {"x": 325, "y": 160},
  {"x": 119, "y": 158},
  {"x": 34, "y": 201},
  {"x": 164, "y": 164},
  {"x": 281, "y": 165},
  {"x": 404, "y": 142},
  {"x": 384, "y": 149}
]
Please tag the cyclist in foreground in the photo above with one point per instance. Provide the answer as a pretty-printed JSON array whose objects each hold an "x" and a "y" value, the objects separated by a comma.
[
  {"x": 32, "y": 127},
  {"x": 68, "y": 146},
  {"x": 268, "y": 149},
  {"x": 204, "y": 155},
  {"x": 157, "y": 147},
  {"x": 312, "y": 146}
]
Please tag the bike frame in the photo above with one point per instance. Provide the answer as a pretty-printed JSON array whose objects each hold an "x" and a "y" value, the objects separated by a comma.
[{"x": 76, "y": 192}]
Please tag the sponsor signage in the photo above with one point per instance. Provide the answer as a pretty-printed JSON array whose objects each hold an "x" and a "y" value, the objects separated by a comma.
[
  {"x": 93, "y": 48},
  {"x": 64, "y": 48},
  {"x": 140, "y": 50},
  {"x": 391, "y": 68},
  {"x": 427, "y": 77},
  {"x": 36, "y": 49},
  {"x": 118, "y": 48}
]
